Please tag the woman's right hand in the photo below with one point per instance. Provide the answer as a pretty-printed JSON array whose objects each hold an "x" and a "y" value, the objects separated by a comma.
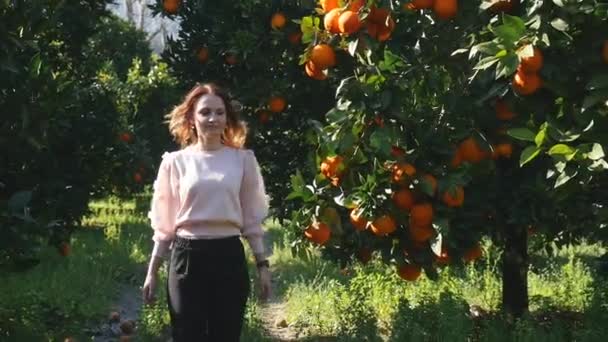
[{"x": 149, "y": 289}]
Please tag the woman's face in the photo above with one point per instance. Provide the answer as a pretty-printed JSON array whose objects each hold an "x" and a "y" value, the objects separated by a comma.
[{"x": 210, "y": 116}]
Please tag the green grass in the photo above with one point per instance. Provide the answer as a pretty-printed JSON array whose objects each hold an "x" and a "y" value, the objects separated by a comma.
[{"x": 64, "y": 295}]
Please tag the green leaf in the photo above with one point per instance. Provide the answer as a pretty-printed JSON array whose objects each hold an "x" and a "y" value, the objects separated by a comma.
[
  {"x": 509, "y": 64},
  {"x": 541, "y": 136},
  {"x": 528, "y": 154},
  {"x": 560, "y": 24},
  {"x": 19, "y": 201},
  {"x": 523, "y": 134},
  {"x": 595, "y": 97},
  {"x": 593, "y": 151},
  {"x": 516, "y": 23},
  {"x": 352, "y": 47},
  {"x": 486, "y": 62},
  {"x": 564, "y": 177},
  {"x": 561, "y": 149}
]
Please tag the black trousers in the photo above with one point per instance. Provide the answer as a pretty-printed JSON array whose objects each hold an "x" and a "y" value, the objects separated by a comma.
[{"x": 207, "y": 289}]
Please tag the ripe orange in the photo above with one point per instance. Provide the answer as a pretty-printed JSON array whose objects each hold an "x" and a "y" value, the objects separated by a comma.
[
  {"x": 356, "y": 5},
  {"x": 472, "y": 253},
  {"x": 421, "y": 215},
  {"x": 331, "y": 21},
  {"x": 532, "y": 63},
  {"x": 203, "y": 54},
  {"x": 432, "y": 181},
  {"x": 277, "y": 104},
  {"x": 403, "y": 199},
  {"x": 383, "y": 225},
  {"x": 278, "y": 21},
  {"x": 313, "y": 72},
  {"x": 295, "y": 38},
  {"x": 526, "y": 84},
  {"x": 421, "y": 233},
  {"x": 503, "y": 112},
  {"x": 328, "y": 5},
  {"x": 171, "y": 6},
  {"x": 422, "y": 4},
  {"x": 456, "y": 159},
  {"x": 380, "y": 25},
  {"x": 357, "y": 219},
  {"x": 403, "y": 172},
  {"x": 385, "y": 31},
  {"x": 445, "y": 9},
  {"x": 65, "y": 249},
  {"x": 125, "y": 137},
  {"x": 348, "y": 22},
  {"x": 470, "y": 151},
  {"x": 455, "y": 198},
  {"x": 409, "y": 7},
  {"x": 504, "y": 150},
  {"x": 605, "y": 52},
  {"x": 114, "y": 316},
  {"x": 409, "y": 272},
  {"x": 323, "y": 56},
  {"x": 332, "y": 166},
  {"x": 231, "y": 59},
  {"x": 397, "y": 151},
  {"x": 318, "y": 233},
  {"x": 264, "y": 116},
  {"x": 137, "y": 177},
  {"x": 127, "y": 327},
  {"x": 501, "y": 6}
]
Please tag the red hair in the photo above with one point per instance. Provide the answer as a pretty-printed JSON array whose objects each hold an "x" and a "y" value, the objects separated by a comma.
[{"x": 181, "y": 116}]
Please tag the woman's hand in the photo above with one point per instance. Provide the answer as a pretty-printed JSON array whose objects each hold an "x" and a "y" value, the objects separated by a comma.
[
  {"x": 149, "y": 289},
  {"x": 265, "y": 283}
]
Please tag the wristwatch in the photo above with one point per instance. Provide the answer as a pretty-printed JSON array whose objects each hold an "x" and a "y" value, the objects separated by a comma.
[{"x": 263, "y": 263}]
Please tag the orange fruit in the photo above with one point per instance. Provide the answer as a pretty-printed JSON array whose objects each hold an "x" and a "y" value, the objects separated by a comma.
[
  {"x": 357, "y": 219},
  {"x": 532, "y": 63},
  {"x": 332, "y": 166},
  {"x": 372, "y": 29},
  {"x": 409, "y": 7},
  {"x": 277, "y": 104},
  {"x": 501, "y": 6},
  {"x": 504, "y": 150},
  {"x": 445, "y": 9},
  {"x": 348, "y": 22},
  {"x": 422, "y": 4},
  {"x": 421, "y": 215},
  {"x": 503, "y": 112},
  {"x": 470, "y": 151},
  {"x": 323, "y": 56},
  {"x": 421, "y": 233},
  {"x": 432, "y": 181},
  {"x": 402, "y": 172},
  {"x": 397, "y": 151},
  {"x": 264, "y": 116},
  {"x": 114, "y": 316},
  {"x": 202, "y": 55},
  {"x": 65, "y": 249},
  {"x": 295, "y": 38},
  {"x": 379, "y": 24},
  {"x": 125, "y": 137},
  {"x": 318, "y": 233},
  {"x": 456, "y": 160},
  {"x": 526, "y": 84},
  {"x": 127, "y": 327},
  {"x": 231, "y": 59},
  {"x": 278, "y": 21},
  {"x": 409, "y": 272},
  {"x": 385, "y": 31},
  {"x": 356, "y": 5},
  {"x": 472, "y": 253},
  {"x": 171, "y": 6},
  {"x": 605, "y": 51},
  {"x": 331, "y": 21},
  {"x": 455, "y": 198},
  {"x": 403, "y": 199},
  {"x": 383, "y": 225},
  {"x": 328, "y": 5},
  {"x": 313, "y": 72},
  {"x": 137, "y": 177}
]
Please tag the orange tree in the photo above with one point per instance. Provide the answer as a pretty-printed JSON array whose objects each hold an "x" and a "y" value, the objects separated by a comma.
[
  {"x": 412, "y": 129},
  {"x": 62, "y": 139},
  {"x": 456, "y": 119}
]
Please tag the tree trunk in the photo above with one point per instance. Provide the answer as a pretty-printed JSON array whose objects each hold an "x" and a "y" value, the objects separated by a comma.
[{"x": 515, "y": 272}]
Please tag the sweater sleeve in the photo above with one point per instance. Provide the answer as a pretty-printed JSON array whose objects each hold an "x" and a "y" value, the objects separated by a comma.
[
  {"x": 254, "y": 203},
  {"x": 165, "y": 202}
]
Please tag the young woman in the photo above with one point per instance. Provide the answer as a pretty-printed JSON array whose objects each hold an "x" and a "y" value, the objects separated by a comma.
[{"x": 206, "y": 196}]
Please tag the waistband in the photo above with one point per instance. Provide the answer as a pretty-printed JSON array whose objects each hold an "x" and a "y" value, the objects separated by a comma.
[{"x": 219, "y": 243}]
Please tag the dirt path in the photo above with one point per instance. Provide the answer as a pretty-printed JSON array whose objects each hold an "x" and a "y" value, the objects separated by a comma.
[{"x": 127, "y": 307}]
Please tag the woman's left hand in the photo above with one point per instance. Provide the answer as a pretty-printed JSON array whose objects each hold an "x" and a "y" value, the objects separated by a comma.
[{"x": 265, "y": 283}]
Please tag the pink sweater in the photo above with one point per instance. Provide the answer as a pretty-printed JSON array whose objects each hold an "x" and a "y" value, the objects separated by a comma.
[{"x": 208, "y": 194}]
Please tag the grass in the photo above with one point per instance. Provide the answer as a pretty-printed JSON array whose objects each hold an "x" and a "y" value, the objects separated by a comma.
[{"x": 63, "y": 296}]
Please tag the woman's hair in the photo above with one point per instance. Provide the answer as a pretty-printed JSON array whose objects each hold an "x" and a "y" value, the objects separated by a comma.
[{"x": 181, "y": 116}]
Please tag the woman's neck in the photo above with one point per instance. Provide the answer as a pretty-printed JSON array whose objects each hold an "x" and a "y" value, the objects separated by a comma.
[{"x": 209, "y": 144}]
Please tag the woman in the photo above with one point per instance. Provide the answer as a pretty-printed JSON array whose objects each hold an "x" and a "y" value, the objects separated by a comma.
[{"x": 206, "y": 196}]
